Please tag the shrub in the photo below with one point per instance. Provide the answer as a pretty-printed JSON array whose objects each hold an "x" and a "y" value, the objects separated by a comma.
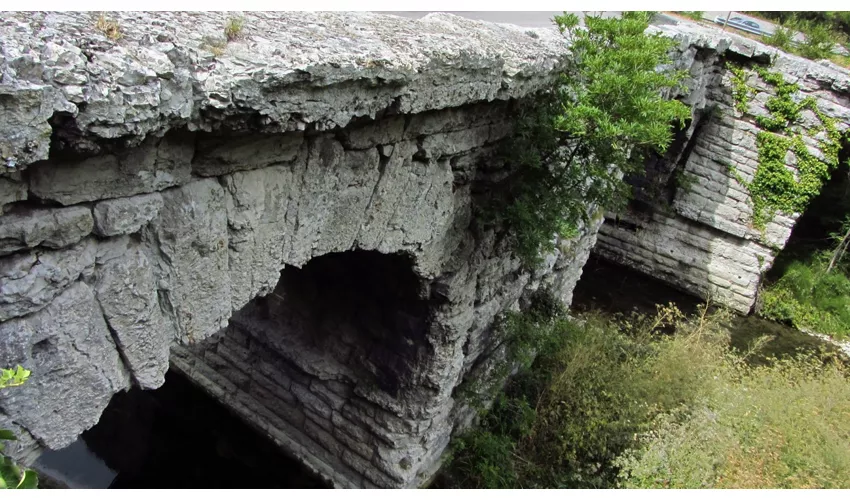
[
  {"x": 819, "y": 39},
  {"x": 782, "y": 38},
  {"x": 571, "y": 149},
  {"x": 696, "y": 15},
  {"x": 808, "y": 297},
  {"x": 660, "y": 401}
]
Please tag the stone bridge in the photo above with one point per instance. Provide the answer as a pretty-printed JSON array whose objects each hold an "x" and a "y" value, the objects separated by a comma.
[{"x": 286, "y": 216}]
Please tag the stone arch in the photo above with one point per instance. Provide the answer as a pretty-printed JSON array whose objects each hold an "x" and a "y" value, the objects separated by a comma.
[{"x": 364, "y": 314}]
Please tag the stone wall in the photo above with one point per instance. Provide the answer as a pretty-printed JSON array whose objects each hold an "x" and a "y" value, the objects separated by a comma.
[
  {"x": 157, "y": 195},
  {"x": 701, "y": 238}
]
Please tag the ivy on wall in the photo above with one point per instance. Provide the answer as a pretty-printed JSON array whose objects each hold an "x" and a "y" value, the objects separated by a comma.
[{"x": 774, "y": 187}]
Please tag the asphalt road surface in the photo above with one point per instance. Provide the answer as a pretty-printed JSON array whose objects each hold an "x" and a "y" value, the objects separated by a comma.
[
  {"x": 535, "y": 19},
  {"x": 542, "y": 19}
]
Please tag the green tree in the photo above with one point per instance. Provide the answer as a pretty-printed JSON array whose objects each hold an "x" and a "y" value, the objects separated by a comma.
[
  {"x": 607, "y": 110},
  {"x": 11, "y": 474}
]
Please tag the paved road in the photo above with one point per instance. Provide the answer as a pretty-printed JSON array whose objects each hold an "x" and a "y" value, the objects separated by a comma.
[
  {"x": 536, "y": 19},
  {"x": 542, "y": 19}
]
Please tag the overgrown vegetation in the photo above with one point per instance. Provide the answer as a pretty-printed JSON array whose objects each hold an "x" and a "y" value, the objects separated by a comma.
[
  {"x": 659, "y": 401},
  {"x": 13, "y": 476},
  {"x": 821, "y": 33},
  {"x": 571, "y": 150},
  {"x": 774, "y": 187},
  {"x": 813, "y": 293}
]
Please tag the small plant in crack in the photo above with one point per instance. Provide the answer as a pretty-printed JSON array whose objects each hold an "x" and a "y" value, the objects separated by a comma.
[
  {"x": 233, "y": 28},
  {"x": 108, "y": 27}
]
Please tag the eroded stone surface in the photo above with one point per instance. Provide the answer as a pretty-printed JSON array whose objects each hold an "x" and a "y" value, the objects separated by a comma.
[
  {"x": 75, "y": 367},
  {"x": 52, "y": 228},
  {"x": 286, "y": 70},
  {"x": 125, "y": 215},
  {"x": 312, "y": 135}
]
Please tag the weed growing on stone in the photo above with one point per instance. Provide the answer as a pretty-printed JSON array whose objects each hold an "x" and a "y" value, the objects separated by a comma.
[
  {"x": 233, "y": 28},
  {"x": 108, "y": 27},
  {"x": 774, "y": 187},
  {"x": 741, "y": 92}
]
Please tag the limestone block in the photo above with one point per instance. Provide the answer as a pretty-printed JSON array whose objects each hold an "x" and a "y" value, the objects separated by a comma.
[
  {"x": 29, "y": 281},
  {"x": 75, "y": 367},
  {"x": 50, "y": 227},
  {"x": 459, "y": 141},
  {"x": 11, "y": 191},
  {"x": 191, "y": 232},
  {"x": 257, "y": 204},
  {"x": 387, "y": 131},
  {"x": 125, "y": 215},
  {"x": 157, "y": 164},
  {"x": 217, "y": 156},
  {"x": 25, "y": 108},
  {"x": 126, "y": 291}
]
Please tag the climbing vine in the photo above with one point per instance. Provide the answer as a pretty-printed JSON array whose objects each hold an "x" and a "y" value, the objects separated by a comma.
[
  {"x": 774, "y": 187},
  {"x": 740, "y": 90}
]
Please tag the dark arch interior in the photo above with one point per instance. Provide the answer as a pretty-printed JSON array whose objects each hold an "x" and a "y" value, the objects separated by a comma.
[
  {"x": 824, "y": 216},
  {"x": 359, "y": 311}
]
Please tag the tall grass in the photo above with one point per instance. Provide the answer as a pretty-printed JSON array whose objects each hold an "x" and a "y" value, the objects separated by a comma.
[
  {"x": 659, "y": 401},
  {"x": 808, "y": 297}
]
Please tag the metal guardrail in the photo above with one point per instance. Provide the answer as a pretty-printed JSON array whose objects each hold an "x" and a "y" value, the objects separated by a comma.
[{"x": 740, "y": 26}]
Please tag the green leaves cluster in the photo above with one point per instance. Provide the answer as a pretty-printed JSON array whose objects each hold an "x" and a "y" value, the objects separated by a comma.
[
  {"x": 11, "y": 475},
  {"x": 775, "y": 187},
  {"x": 606, "y": 111},
  {"x": 13, "y": 377},
  {"x": 741, "y": 92}
]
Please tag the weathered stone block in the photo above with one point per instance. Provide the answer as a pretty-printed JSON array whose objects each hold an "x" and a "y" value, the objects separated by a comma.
[
  {"x": 217, "y": 156},
  {"x": 75, "y": 367},
  {"x": 125, "y": 215},
  {"x": 155, "y": 165},
  {"x": 28, "y": 282},
  {"x": 11, "y": 191},
  {"x": 126, "y": 291},
  {"x": 50, "y": 227},
  {"x": 191, "y": 232}
]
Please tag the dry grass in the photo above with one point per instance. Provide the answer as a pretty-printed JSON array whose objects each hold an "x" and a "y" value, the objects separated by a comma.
[{"x": 108, "y": 27}]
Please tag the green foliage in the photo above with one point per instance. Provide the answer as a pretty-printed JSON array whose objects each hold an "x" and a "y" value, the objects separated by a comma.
[
  {"x": 782, "y": 38},
  {"x": 696, "y": 15},
  {"x": 819, "y": 39},
  {"x": 13, "y": 377},
  {"x": 571, "y": 149},
  {"x": 596, "y": 384},
  {"x": 11, "y": 475},
  {"x": 233, "y": 28},
  {"x": 775, "y": 187},
  {"x": 808, "y": 297},
  {"x": 779, "y": 425},
  {"x": 610, "y": 403},
  {"x": 741, "y": 92}
]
